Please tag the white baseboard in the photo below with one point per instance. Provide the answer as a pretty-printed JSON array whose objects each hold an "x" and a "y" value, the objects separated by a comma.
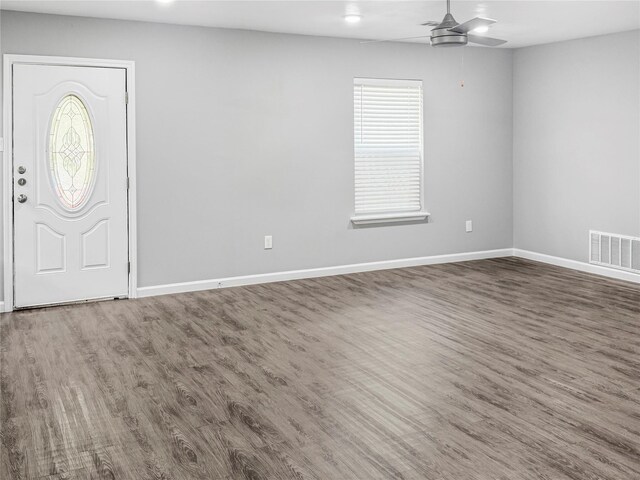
[
  {"x": 317, "y": 272},
  {"x": 383, "y": 265},
  {"x": 575, "y": 265}
]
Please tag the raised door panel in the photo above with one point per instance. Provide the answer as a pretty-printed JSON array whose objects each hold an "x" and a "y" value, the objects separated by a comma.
[
  {"x": 95, "y": 246},
  {"x": 50, "y": 251}
]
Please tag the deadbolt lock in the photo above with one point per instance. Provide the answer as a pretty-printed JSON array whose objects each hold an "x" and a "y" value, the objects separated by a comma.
[
  {"x": 21, "y": 170},
  {"x": 21, "y": 181}
]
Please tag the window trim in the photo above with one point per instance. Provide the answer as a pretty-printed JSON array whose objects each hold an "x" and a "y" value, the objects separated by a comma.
[
  {"x": 416, "y": 216},
  {"x": 399, "y": 216}
]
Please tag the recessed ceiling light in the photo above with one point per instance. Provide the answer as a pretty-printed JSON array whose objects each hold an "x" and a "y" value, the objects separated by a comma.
[
  {"x": 483, "y": 29},
  {"x": 352, "y": 18}
]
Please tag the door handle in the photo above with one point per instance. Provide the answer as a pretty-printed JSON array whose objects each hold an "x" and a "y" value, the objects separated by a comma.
[{"x": 22, "y": 198}]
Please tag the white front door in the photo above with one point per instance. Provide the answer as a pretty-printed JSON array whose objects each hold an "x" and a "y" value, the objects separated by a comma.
[{"x": 69, "y": 184}]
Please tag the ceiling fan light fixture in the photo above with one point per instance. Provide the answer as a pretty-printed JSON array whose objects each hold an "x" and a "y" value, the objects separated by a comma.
[{"x": 482, "y": 29}]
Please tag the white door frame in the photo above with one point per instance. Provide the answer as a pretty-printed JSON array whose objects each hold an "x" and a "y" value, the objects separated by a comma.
[{"x": 7, "y": 156}]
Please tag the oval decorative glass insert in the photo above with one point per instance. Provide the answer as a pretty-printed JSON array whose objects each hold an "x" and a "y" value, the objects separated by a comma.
[{"x": 72, "y": 152}]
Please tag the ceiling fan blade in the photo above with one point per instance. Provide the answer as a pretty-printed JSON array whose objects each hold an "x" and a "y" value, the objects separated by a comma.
[
  {"x": 488, "y": 41},
  {"x": 394, "y": 39},
  {"x": 472, "y": 25},
  {"x": 430, "y": 23}
]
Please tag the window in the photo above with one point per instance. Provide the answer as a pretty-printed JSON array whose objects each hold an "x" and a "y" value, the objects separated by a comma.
[
  {"x": 388, "y": 150},
  {"x": 71, "y": 152}
]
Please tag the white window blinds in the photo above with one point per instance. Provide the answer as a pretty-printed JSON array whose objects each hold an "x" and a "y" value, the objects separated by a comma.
[{"x": 388, "y": 146}]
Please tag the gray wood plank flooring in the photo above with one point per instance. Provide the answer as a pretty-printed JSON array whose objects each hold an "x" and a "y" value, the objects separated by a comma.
[{"x": 493, "y": 369}]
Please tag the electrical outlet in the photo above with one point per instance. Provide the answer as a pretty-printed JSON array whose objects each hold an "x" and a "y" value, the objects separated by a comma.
[
  {"x": 469, "y": 226},
  {"x": 268, "y": 242}
]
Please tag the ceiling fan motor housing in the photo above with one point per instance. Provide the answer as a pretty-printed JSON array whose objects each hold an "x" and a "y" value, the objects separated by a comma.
[
  {"x": 441, "y": 36},
  {"x": 444, "y": 38}
]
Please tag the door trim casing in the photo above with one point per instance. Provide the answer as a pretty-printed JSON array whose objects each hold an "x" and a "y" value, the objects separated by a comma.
[{"x": 9, "y": 60}]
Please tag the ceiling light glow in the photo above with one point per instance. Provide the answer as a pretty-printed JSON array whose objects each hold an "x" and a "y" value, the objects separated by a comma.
[
  {"x": 483, "y": 29},
  {"x": 352, "y": 18}
]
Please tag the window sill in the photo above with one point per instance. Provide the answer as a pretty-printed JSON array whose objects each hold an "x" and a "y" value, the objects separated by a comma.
[{"x": 389, "y": 218}]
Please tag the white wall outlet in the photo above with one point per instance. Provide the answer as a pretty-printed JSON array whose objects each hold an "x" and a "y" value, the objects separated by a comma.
[
  {"x": 268, "y": 242},
  {"x": 469, "y": 226}
]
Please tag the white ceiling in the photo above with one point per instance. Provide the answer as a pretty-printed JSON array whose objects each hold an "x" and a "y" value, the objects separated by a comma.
[{"x": 521, "y": 22}]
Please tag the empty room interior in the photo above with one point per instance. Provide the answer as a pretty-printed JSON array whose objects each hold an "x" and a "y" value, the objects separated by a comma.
[{"x": 330, "y": 240}]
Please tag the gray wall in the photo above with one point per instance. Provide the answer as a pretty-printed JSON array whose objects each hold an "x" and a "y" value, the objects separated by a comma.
[
  {"x": 242, "y": 134},
  {"x": 576, "y": 143}
]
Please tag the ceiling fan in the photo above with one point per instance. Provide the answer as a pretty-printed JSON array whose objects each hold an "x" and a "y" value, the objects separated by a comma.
[{"x": 450, "y": 33}]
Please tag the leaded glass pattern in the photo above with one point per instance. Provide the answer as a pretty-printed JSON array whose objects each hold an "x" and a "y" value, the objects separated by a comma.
[{"x": 72, "y": 152}]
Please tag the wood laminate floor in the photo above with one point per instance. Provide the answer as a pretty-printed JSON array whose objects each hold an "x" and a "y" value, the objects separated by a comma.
[{"x": 493, "y": 369}]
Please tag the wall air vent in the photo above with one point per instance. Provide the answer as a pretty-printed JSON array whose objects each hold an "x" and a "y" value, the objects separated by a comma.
[{"x": 614, "y": 251}]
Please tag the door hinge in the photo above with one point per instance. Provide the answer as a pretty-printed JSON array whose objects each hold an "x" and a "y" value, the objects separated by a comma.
[
  {"x": 126, "y": 98},
  {"x": 128, "y": 183},
  {"x": 128, "y": 267}
]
